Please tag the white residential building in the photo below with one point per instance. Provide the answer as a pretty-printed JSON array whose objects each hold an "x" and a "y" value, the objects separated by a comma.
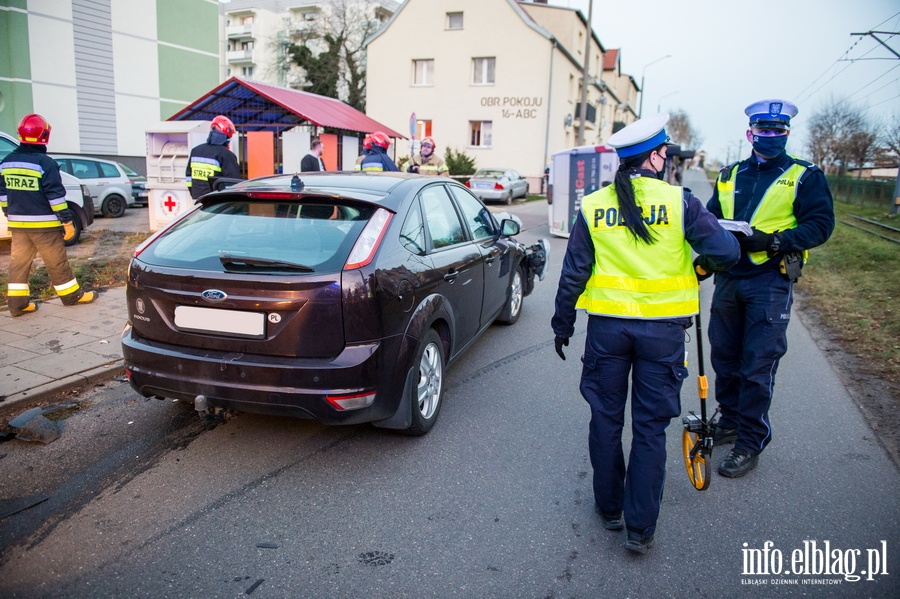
[{"x": 498, "y": 79}]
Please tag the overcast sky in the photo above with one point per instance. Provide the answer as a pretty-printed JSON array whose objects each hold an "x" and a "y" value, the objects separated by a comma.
[{"x": 726, "y": 54}]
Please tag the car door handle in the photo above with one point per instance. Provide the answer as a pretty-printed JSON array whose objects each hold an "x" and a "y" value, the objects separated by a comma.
[{"x": 451, "y": 276}]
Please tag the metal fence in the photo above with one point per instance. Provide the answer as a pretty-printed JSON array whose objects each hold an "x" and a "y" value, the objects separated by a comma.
[{"x": 862, "y": 192}]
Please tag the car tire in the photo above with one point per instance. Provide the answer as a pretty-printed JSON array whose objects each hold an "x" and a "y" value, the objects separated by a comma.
[
  {"x": 515, "y": 298},
  {"x": 525, "y": 195},
  {"x": 428, "y": 386},
  {"x": 78, "y": 229},
  {"x": 113, "y": 206},
  {"x": 509, "y": 198}
]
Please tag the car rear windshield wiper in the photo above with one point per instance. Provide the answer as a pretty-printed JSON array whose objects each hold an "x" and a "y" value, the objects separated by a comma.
[{"x": 239, "y": 260}]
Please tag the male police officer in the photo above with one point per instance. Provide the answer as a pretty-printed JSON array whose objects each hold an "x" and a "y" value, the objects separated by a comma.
[
  {"x": 212, "y": 159},
  {"x": 789, "y": 207},
  {"x": 33, "y": 198}
]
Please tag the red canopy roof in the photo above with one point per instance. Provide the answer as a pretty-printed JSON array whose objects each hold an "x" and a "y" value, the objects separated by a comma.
[{"x": 254, "y": 106}]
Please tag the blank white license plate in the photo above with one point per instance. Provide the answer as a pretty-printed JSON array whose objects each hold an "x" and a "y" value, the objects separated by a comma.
[
  {"x": 232, "y": 322},
  {"x": 482, "y": 185}
]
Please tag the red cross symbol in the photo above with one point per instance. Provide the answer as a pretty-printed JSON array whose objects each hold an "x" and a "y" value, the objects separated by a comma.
[{"x": 169, "y": 202}]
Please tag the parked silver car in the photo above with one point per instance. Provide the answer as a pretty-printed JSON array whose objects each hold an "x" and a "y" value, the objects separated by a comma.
[
  {"x": 107, "y": 181},
  {"x": 78, "y": 197},
  {"x": 498, "y": 185}
]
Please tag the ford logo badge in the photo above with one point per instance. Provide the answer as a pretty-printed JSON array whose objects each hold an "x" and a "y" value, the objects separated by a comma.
[{"x": 214, "y": 295}]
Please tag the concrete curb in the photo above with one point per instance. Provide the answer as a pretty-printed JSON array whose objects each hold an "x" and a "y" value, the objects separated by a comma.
[{"x": 27, "y": 398}]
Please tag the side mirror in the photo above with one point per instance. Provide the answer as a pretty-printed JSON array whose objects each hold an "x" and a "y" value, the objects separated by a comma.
[{"x": 509, "y": 227}]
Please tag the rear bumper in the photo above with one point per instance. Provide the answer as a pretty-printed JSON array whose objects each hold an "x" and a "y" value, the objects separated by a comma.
[
  {"x": 491, "y": 194},
  {"x": 271, "y": 384}
]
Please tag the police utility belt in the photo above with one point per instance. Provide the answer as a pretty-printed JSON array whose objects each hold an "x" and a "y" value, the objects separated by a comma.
[{"x": 791, "y": 265}]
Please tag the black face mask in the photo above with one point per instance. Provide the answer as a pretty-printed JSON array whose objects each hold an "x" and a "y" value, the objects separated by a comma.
[{"x": 769, "y": 147}]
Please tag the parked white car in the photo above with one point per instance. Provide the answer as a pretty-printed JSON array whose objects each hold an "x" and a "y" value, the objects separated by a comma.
[
  {"x": 78, "y": 197},
  {"x": 108, "y": 183}
]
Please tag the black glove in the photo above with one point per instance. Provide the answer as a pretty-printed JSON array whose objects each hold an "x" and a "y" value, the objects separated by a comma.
[
  {"x": 413, "y": 168},
  {"x": 758, "y": 242},
  {"x": 701, "y": 271},
  {"x": 561, "y": 342}
]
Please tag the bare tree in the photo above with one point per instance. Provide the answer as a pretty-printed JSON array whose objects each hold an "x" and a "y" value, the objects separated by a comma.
[
  {"x": 682, "y": 132},
  {"x": 861, "y": 148},
  {"x": 330, "y": 48},
  {"x": 889, "y": 135},
  {"x": 840, "y": 136}
]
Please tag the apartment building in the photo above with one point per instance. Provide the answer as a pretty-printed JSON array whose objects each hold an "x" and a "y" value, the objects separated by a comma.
[
  {"x": 103, "y": 71},
  {"x": 258, "y": 33},
  {"x": 498, "y": 79}
]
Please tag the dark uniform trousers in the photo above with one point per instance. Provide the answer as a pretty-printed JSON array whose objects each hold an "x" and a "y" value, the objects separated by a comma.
[
  {"x": 49, "y": 242},
  {"x": 748, "y": 336},
  {"x": 653, "y": 351}
]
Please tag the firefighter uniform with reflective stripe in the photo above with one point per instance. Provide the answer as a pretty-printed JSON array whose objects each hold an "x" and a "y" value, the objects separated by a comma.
[
  {"x": 639, "y": 298},
  {"x": 210, "y": 160},
  {"x": 751, "y": 305},
  {"x": 33, "y": 199},
  {"x": 376, "y": 160},
  {"x": 433, "y": 166}
]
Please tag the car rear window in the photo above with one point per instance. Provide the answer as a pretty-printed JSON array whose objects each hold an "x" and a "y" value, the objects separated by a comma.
[
  {"x": 489, "y": 174},
  {"x": 272, "y": 237},
  {"x": 108, "y": 170}
]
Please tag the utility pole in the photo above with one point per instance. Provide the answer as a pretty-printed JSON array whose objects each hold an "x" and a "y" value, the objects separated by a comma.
[
  {"x": 585, "y": 74},
  {"x": 896, "y": 207},
  {"x": 644, "y": 70}
]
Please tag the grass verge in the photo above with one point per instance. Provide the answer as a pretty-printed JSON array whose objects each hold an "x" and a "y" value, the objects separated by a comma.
[{"x": 853, "y": 282}]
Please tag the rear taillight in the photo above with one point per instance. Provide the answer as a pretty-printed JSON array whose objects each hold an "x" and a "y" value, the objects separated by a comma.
[
  {"x": 365, "y": 247},
  {"x": 353, "y": 401},
  {"x": 498, "y": 186},
  {"x": 467, "y": 184}
]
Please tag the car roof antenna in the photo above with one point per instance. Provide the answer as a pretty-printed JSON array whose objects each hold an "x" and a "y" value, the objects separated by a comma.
[{"x": 296, "y": 183}]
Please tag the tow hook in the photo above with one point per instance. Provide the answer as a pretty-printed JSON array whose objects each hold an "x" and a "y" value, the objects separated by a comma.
[{"x": 217, "y": 413}]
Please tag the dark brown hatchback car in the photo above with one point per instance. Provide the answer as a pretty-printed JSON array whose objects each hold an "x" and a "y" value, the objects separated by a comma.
[{"x": 339, "y": 296}]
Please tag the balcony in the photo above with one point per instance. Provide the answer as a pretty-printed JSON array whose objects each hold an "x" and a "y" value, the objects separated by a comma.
[
  {"x": 591, "y": 111},
  {"x": 239, "y": 56},
  {"x": 236, "y": 32}
]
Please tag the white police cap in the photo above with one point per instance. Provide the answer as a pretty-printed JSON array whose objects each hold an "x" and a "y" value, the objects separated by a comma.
[
  {"x": 771, "y": 114},
  {"x": 640, "y": 136}
]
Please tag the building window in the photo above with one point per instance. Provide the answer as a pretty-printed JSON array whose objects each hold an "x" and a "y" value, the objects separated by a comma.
[
  {"x": 480, "y": 134},
  {"x": 483, "y": 71},
  {"x": 454, "y": 20},
  {"x": 423, "y": 129},
  {"x": 423, "y": 72},
  {"x": 247, "y": 71}
]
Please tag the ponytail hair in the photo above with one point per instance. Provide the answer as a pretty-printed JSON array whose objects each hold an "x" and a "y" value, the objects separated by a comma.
[{"x": 628, "y": 209}]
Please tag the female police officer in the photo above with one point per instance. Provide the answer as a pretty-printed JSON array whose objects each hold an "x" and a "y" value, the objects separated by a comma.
[{"x": 628, "y": 264}]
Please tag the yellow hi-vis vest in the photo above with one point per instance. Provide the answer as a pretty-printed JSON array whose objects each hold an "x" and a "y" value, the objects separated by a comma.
[
  {"x": 631, "y": 279},
  {"x": 775, "y": 211}
]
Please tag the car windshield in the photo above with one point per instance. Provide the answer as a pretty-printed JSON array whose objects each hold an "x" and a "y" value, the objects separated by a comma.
[
  {"x": 128, "y": 171},
  {"x": 489, "y": 174},
  {"x": 245, "y": 236},
  {"x": 6, "y": 146}
]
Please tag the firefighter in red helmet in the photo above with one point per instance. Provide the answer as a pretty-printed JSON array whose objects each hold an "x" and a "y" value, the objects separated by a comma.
[
  {"x": 367, "y": 145},
  {"x": 427, "y": 162},
  {"x": 375, "y": 158},
  {"x": 213, "y": 158},
  {"x": 33, "y": 199}
]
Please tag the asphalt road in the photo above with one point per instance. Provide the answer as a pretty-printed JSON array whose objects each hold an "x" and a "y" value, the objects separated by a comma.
[{"x": 146, "y": 501}]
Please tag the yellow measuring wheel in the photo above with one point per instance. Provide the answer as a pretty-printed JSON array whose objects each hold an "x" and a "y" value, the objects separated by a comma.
[{"x": 697, "y": 437}]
